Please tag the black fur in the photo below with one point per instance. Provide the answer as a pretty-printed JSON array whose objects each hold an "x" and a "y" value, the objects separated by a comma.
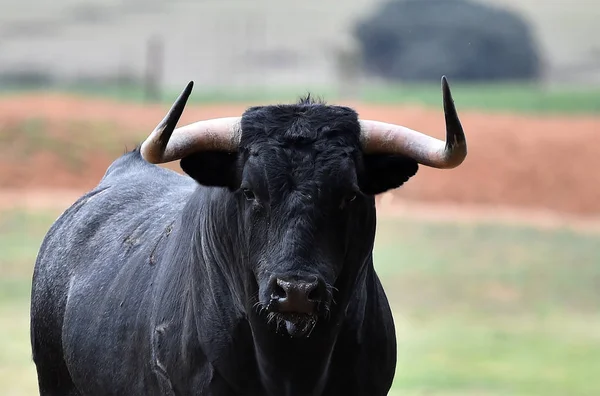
[{"x": 153, "y": 284}]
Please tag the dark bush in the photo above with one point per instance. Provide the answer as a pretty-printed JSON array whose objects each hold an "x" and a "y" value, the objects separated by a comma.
[
  {"x": 416, "y": 40},
  {"x": 26, "y": 78}
]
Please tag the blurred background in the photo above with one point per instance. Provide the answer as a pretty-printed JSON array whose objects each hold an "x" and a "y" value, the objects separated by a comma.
[{"x": 492, "y": 269}]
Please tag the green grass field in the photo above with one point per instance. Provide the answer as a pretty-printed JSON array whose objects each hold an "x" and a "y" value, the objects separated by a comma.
[
  {"x": 501, "y": 97},
  {"x": 513, "y": 97},
  {"x": 480, "y": 309}
]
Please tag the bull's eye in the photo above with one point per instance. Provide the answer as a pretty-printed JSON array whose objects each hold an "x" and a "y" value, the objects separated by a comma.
[
  {"x": 347, "y": 199},
  {"x": 248, "y": 194}
]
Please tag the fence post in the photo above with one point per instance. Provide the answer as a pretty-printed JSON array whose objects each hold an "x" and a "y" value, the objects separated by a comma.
[{"x": 154, "y": 69}]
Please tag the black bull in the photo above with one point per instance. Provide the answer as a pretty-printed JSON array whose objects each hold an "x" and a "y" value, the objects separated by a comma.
[{"x": 253, "y": 276}]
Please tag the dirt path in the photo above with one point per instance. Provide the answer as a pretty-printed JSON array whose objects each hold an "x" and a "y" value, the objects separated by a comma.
[{"x": 539, "y": 164}]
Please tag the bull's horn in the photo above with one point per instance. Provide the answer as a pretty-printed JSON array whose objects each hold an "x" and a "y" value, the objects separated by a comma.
[
  {"x": 380, "y": 137},
  {"x": 167, "y": 144}
]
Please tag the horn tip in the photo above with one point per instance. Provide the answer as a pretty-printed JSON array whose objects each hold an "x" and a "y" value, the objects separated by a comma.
[
  {"x": 445, "y": 85},
  {"x": 188, "y": 88}
]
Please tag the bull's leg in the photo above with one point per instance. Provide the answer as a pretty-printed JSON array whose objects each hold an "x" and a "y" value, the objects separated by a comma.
[
  {"x": 55, "y": 381},
  {"x": 53, "y": 376},
  {"x": 52, "y": 372},
  {"x": 47, "y": 313}
]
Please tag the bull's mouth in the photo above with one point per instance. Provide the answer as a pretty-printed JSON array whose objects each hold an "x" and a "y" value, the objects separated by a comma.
[{"x": 296, "y": 325}]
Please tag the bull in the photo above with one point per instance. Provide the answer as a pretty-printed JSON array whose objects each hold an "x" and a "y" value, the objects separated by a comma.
[{"x": 251, "y": 274}]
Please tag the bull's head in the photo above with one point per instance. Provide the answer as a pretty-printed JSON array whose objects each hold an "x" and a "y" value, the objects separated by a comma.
[{"x": 303, "y": 177}]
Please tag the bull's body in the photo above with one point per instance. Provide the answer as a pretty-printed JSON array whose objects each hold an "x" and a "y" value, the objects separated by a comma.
[
  {"x": 251, "y": 277},
  {"x": 119, "y": 311}
]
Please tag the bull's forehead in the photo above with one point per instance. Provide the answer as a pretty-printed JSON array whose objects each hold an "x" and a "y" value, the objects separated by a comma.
[
  {"x": 303, "y": 151},
  {"x": 302, "y": 175},
  {"x": 306, "y": 124}
]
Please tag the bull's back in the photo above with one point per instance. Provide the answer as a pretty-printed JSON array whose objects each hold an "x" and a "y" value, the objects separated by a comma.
[
  {"x": 109, "y": 227},
  {"x": 95, "y": 268}
]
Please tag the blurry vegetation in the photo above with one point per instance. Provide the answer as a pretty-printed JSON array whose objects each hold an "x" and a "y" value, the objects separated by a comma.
[
  {"x": 75, "y": 142},
  {"x": 513, "y": 97},
  {"x": 526, "y": 98},
  {"x": 26, "y": 79},
  {"x": 420, "y": 40},
  {"x": 19, "y": 79}
]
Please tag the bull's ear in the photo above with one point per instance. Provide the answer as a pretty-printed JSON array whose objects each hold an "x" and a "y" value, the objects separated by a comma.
[
  {"x": 212, "y": 168},
  {"x": 385, "y": 172}
]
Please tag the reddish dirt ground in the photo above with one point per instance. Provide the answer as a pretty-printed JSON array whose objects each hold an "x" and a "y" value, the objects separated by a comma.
[{"x": 539, "y": 163}]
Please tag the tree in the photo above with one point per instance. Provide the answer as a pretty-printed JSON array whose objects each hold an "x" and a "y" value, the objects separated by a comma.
[{"x": 415, "y": 40}]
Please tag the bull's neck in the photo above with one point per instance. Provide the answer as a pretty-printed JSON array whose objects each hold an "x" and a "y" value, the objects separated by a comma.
[
  {"x": 215, "y": 239},
  {"x": 302, "y": 362}
]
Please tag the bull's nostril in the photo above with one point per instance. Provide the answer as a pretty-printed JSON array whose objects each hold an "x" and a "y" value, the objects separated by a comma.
[{"x": 278, "y": 292}]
